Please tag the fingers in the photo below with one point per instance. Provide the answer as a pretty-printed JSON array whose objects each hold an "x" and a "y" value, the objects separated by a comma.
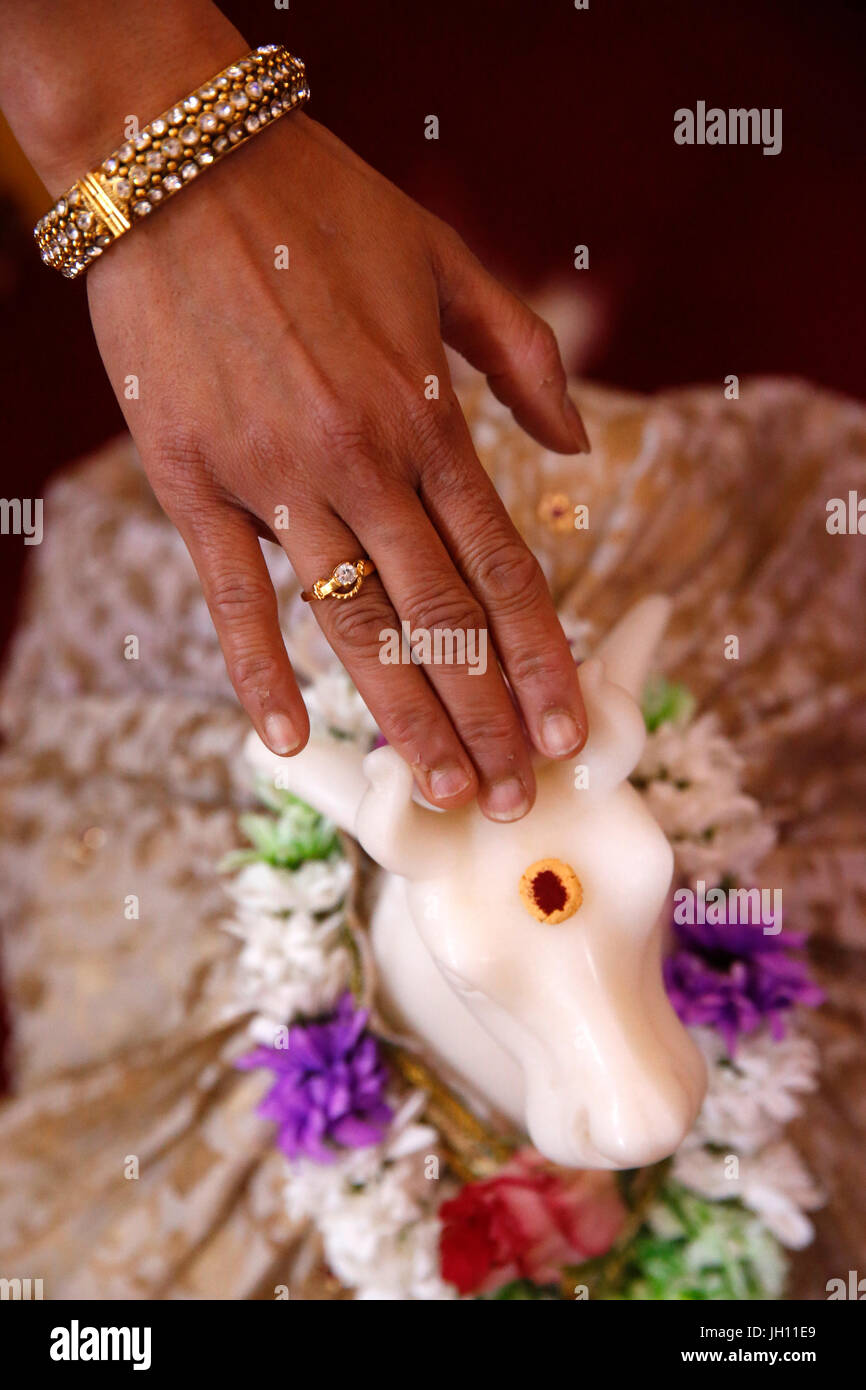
[
  {"x": 225, "y": 550},
  {"x": 362, "y": 630},
  {"x": 506, "y": 579},
  {"x": 514, "y": 348},
  {"x": 446, "y": 628}
]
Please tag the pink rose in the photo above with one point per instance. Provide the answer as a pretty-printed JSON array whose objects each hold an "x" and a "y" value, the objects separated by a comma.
[{"x": 527, "y": 1223}]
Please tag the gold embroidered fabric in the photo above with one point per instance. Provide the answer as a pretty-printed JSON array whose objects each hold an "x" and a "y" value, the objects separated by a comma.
[{"x": 120, "y": 784}]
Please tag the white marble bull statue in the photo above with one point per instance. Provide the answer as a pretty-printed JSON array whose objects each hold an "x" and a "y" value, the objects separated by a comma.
[{"x": 526, "y": 957}]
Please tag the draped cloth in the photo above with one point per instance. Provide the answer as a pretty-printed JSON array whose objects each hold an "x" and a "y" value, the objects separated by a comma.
[{"x": 132, "y": 1162}]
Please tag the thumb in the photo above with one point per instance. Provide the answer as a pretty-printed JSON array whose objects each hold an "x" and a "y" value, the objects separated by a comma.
[{"x": 514, "y": 348}]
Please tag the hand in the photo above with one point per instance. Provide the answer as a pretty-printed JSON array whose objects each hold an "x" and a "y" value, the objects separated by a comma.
[{"x": 304, "y": 389}]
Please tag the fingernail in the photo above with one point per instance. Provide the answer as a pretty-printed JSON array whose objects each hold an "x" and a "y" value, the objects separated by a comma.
[
  {"x": 280, "y": 734},
  {"x": 560, "y": 733},
  {"x": 506, "y": 800},
  {"x": 575, "y": 424},
  {"x": 447, "y": 781}
]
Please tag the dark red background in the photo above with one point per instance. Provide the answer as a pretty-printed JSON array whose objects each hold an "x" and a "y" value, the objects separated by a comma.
[{"x": 556, "y": 128}]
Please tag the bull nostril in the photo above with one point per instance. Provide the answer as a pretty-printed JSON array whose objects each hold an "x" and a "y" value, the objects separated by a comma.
[{"x": 550, "y": 890}]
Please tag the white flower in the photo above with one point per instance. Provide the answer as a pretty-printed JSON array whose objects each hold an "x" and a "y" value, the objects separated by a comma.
[
  {"x": 774, "y": 1183},
  {"x": 752, "y": 1095},
  {"x": 294, "y": 959},
  {"x": 695, "y": 752},
  {"x": 317, "y": 885},
  {"x": 335, "y": 707},
  {"x": 690, "y": 778},
  {"x": 315, "y": 1187},
  {"x": 289, "y": 966},
  {"x": 381, "y": 1244},
  {"x": 375, "y": 1210}
]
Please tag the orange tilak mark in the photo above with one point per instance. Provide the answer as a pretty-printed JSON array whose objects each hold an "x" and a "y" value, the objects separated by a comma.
[{"x": 551, "y": 891}]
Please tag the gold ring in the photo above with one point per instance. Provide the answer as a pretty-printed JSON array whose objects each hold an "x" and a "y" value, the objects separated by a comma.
[{"x": 345, "y": 581}]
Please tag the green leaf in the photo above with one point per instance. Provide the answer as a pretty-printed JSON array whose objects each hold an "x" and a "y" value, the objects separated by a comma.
[
  {"x": 290, "y": 834},
  {"x": 666, "y": 702},
  {"x": 523, "y": 1289},
  {"x": 692, "y": 1249}
]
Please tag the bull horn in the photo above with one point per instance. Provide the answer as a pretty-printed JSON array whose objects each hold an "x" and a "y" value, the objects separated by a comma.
[
  {"x": 628, "y": 650},
  {"x": 327, "y": 774},
  {"x": 617, "y": 732}
]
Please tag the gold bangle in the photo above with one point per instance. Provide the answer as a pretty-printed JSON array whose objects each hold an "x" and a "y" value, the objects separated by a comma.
[{"x": 167, "y": 154}]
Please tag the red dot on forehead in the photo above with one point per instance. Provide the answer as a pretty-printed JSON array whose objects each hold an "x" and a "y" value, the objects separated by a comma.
[{"x": 549, "y": 891}]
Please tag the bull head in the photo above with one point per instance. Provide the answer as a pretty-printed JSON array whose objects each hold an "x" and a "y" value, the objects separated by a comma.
[{"x": 534, "y": 967}]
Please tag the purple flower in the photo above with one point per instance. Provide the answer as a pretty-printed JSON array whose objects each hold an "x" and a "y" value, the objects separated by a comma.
[
  {"x": 329, "y": 1092},
  {"x": 732, "y": 977}
]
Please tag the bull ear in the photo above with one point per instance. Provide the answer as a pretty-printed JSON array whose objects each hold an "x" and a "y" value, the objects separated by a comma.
[
  {"x": 616, "y": 732},
  {"x": 629, "y": 648},
  {"x": 327, "y": 774},
  {"x": 395, "y": 831}
]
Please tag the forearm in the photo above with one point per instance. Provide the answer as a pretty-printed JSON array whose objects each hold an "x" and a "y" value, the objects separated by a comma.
[{"x": 72, "y": 71}]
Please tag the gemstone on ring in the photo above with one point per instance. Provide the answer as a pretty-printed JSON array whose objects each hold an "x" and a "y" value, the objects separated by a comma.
[
  {"x": 346, "y": 574},
  {"x": 344, "y": 582}
]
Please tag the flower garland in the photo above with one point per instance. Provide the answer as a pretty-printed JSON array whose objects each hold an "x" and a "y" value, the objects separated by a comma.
[{"x": 413, "y": 1197}]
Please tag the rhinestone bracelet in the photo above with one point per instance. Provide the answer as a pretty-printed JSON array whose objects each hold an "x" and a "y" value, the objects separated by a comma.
[{"x": 168, "y": 153}]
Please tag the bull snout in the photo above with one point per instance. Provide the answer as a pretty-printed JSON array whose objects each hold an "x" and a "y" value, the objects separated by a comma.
[
  {"x": 631, "y": 1130},
  {"x": 637, "y": 1116}
]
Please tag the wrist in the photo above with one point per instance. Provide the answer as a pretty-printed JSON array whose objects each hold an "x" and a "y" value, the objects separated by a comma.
[{"x": 70, "y": 105}]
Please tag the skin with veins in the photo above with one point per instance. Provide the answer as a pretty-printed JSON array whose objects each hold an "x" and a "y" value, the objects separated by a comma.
[{"x": 269, "y": 393}]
